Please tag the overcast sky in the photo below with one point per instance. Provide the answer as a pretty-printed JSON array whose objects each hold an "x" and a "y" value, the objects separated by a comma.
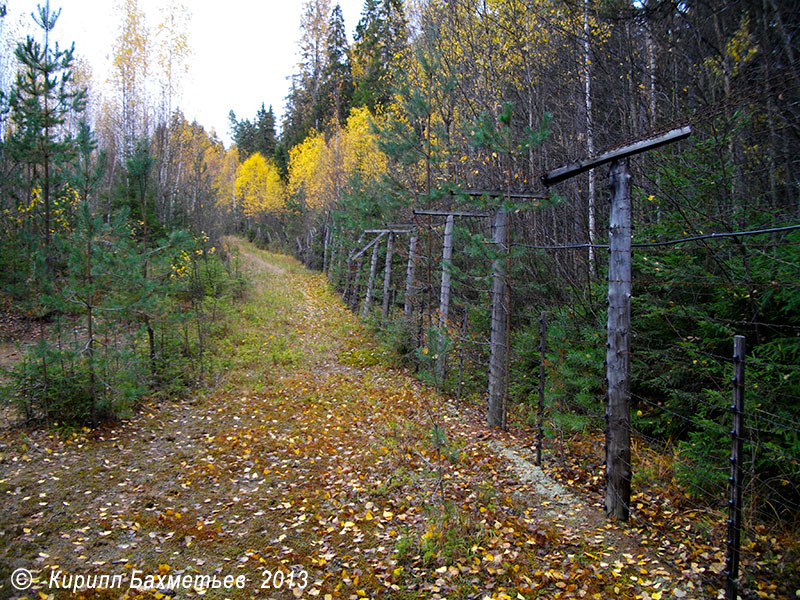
[{"x": 243, "y": 50}]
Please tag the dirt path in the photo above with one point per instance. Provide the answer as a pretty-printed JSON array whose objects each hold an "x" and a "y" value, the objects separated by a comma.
[{"x": 311, "y": 463}]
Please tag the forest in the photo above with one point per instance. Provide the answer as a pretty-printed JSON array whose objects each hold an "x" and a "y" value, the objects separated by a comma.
[{"x": 395, "y": 162}]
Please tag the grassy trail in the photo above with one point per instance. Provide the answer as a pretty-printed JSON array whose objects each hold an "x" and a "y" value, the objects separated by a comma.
[{"x": 312, "y": 458}]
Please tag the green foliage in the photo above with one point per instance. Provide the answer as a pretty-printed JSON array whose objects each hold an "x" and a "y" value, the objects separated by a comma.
[
  {"x": 576, "y": 353},
  {"x": 380, "y": 39},
  {"x": 101, "y": 371},
  {"x": 695, "y": 299},
  {"x": 256, "y": 136},
  {"x": 483, "y": 133}
]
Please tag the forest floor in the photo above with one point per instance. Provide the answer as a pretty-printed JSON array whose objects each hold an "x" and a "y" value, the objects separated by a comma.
[{"x": 311, "y": 470}]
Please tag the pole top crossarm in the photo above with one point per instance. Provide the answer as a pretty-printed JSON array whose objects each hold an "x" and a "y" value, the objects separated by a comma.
[
  {"x": 447, "y": 213},
  {"x": 581, "y": 166},
  {"x": 504, "y": 194}
]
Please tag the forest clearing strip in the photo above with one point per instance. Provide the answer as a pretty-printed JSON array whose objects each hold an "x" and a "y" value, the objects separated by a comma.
[{"x": 313, "y": 458}]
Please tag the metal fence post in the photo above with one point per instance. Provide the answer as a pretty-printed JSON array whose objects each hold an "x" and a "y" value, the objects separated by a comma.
[{"x": 735, "y": 479}]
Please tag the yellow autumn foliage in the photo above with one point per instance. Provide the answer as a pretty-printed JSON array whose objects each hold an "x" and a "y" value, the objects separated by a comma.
[
  {"x": 259, "y": 187},
  {"x": 361, "y": 153},
  {"x": 321, "y": 169},
  {"x": 307, "y": 166}
]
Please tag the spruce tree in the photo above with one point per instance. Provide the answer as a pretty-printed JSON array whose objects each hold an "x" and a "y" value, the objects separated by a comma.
[
  {"x": 337, "y": 86},
  {"x": 265, "y": 138},
  {"x": 381, "y": 37}
]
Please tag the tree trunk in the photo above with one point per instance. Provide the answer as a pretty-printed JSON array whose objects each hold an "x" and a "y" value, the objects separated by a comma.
[{"x": 587, "y": 97}]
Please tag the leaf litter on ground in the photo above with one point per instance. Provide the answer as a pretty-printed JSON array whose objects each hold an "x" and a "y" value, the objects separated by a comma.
[{"x": 313, "y": 458}]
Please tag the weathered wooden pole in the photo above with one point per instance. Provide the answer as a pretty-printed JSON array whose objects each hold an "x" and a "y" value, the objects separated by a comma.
[
  {"x": 735, "y": 480},
  {"x": 408, "y": 303},
  {"x": 373, "y": 267},
  {"x": 618, "y": 434},
  {"x": 348, "y": 281},
  {"x": 498, "y": 341},
  {"x": 355, "y": 290},
  {"x": 618, "y": 440},
  {"x": 540, "y": 408},
  {"x": 332, "y": 268},
  {"x": 325, "y": 246},
  {"x": 387, "y": 275},
  {"x": 444, "y": 294},
  {"x": 447, "y": 263},
  {"x": 461, "y": 354}
]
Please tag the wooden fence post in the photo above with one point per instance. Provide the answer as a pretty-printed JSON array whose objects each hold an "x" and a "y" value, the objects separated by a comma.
[
  {"x": 387, "y": 275},
  {"x": 735, "y": 480},
  {"x": 540, "y": 408},
  {"x": 373, "y": 267},
  {"x": 408, "y": 303},
  {"x": 444, "y": 295},
  {"x": 355, "y": 289},
  {"x": 618, "y": 435},
  {"x": 498, "y": 342},
  {"x": 461, "y": 354},
  {"x": 348, "y": 281},
  {"x": 325, "y": 246},
  {"x": 332, "y": 268}
]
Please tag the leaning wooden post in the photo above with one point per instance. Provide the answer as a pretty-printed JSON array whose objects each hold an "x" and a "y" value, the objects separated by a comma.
[
  {"x": 387, "y": 275},
  {"x": 618, "y": 434},
  {"x": 540, "y": 408},
  {"x": 444, "y": 295},
  {"x": 373, "y": 267},
  {"x": 735, "y": 480},
  {"x": 498, "y": 342},
  {"x": 408, "y": 303}
]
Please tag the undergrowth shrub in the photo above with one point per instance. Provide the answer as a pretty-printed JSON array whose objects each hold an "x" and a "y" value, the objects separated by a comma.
[{"x": 82, "y": 378}]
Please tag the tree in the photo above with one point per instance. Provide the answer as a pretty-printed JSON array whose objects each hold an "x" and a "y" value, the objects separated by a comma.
[
  {"x": 243, "y": 134},
  {"x": 40, "y": 101},
  {"x": 313, "y": 56},
  {"x": 337, "y": 87},
  {"x": 173, "y": 50},
  {"x": 255, "y": 136},
  {"x": 265, "y": 138},
  {"x": 380, "y": 40},
  {"x": 130, "y": 68},
  {"x": 259, "y": 187}
]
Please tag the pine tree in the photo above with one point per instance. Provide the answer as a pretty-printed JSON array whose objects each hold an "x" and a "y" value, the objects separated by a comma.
[{"x": 40, "y": 101}]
